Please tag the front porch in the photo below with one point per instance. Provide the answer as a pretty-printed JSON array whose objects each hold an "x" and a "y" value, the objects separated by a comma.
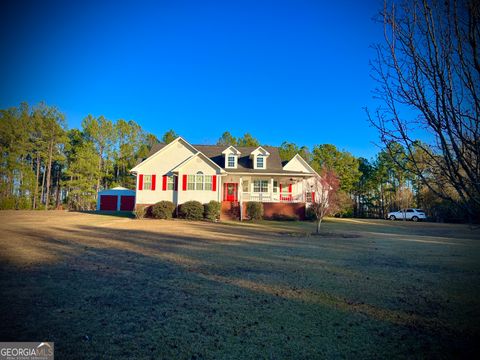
[
  {"x": 280, "y": 195},
  {"x": 274, "y": 189}
]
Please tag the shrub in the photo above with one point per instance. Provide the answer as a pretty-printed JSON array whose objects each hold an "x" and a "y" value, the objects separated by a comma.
[
  {"x": 212, "y": 210},
  {"x": 163, "y": 210},
  {"x": 7, "y": 203},
  {"x": 191, "y": 210},
  {"x": 310, "y": 214},
  {"x": 254, "y": 210},
  {"x": 140, "y": 212}
]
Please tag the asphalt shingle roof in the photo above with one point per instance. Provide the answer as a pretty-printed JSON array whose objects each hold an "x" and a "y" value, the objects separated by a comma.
[{"x": 214, "y": 152}]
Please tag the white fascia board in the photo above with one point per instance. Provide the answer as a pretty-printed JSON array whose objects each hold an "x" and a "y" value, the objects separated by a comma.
[
  {"x": 260, "y": 150},
  {"x": 305, "y": 163},
  {"x": 231, "y": 150},
  {"x": 269, "y": 174}
]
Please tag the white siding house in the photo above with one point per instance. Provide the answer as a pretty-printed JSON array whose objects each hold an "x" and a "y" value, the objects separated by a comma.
[{"x": 180, "y": 172}]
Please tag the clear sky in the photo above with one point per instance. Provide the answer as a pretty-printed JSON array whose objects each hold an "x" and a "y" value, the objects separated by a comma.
[{"x": 281, "y": 70}]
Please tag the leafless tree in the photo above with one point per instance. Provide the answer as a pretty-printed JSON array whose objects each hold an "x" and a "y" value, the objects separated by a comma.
[
  {"x": 430, "y": 63},
  {"x": 324, "y": 189}
]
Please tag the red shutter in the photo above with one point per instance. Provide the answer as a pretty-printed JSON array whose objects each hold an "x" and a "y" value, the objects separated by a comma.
[
  {"x": 313, "y": 196},
  {"x": 214, "y": 183},
  {"x": 153, "y": 182},
  {"x": 164, "y": 182},
  {"x": 184, "y": 185},
  {"x": 140, "y": 182},
  {"x": 290, "y": 188},
  {"x": 175, "y": 183},
  {"x": 280, "y": 188}
]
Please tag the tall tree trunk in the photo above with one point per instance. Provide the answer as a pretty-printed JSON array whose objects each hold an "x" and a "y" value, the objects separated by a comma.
[
  {"x": 43, "y": 186},
  {"x": 49, "y": 174},
  {"x": 57, "y": 200},
  {"x": 99, "y": 172},
  {"x": 35, "y": 193}
]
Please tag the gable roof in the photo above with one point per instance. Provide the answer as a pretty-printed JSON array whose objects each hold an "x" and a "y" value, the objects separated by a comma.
[
  {"x": 302, "y": 161},
  {"x": 160, "y": 146},
  {"x": 198, "y": 154}
]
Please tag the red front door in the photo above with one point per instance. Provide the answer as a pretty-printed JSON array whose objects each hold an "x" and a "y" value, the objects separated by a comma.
[{"x": 230, "y": 193}]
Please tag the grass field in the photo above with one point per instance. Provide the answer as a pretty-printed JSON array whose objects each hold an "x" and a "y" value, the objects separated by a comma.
[{"x": 106, "y": 287}]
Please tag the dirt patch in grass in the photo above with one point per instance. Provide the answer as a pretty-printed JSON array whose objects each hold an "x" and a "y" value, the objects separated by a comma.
[{"x": 110, "y": 287}]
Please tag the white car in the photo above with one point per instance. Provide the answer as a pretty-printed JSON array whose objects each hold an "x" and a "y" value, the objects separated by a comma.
[{"x": 407, "y": 214}]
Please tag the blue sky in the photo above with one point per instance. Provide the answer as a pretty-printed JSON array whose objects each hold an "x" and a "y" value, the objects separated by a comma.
[{"x": 281, "y": 70}]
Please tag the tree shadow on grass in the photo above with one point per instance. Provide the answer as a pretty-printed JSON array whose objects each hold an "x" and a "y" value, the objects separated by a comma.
[{"x": 111, "y": 292}]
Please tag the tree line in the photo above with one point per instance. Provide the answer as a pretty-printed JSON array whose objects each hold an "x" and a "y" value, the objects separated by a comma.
[{"x": 45, "y": 165}]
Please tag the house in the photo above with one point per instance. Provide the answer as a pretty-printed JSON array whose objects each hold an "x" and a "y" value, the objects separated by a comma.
[{"x": 180, "y": 172}]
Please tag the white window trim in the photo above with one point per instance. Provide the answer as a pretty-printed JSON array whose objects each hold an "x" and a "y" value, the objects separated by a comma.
[
  {"x": 147, "y": 183},
  {"x": 203, "y": 183},
  {"x": 264, "y": 160},
  {"x": 260, "y": 186},
  {"x": 235, "y": 161}
]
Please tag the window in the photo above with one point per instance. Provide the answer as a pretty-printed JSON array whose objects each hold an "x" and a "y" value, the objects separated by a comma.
[
  {"x": 191, "y": 182},
  {"x": 409, "y": 210},
  {"x": 231, "y": 161},
  {"x": 170, "y": 183},
  {"x": 208, "y": 182},
  {"x": 260, "y": 186},
  {"x": 199, "y": 181},
  {"x": 147, "y": 182},
  {"x": 259, "y": 162},
  {"x": 275, "y": 186},
  {"x": 245, "y": 186},
  {"x": 308, "y": 197}
]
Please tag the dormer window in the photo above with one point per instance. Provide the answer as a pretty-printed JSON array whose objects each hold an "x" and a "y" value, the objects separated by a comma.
[
  {"x": 259, "y": 158},
  {"x": 231, "y": 157},
  {"x": 260, "y": 162}
]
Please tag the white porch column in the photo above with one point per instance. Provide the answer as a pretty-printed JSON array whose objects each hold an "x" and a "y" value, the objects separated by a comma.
[
  {"x": 271, "y": 189},
  {"x": 240, "y": 197}
]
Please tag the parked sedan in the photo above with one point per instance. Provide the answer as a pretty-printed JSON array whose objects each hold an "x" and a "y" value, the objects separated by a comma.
[{"x": 407, "y": 214}]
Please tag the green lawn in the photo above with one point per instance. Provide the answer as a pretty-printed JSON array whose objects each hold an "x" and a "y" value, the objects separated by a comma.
[{"x": 105, "y": 287}]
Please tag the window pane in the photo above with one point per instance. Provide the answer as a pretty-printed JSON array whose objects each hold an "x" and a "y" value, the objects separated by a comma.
[
  {"x": 199, "y": 182},
  {"x": 275, "y": 186},
  {"x": 256, "y": 185},
  {"x": 264, "y": 186},
  {"x": 147, "y": 182},
  {"x": 208, "y": 182},
  {"x": 170, "y": 183},
  {"x": 259, "y": 161},
  {"x": 191, "y": 182},
  {"x": 231, "y": 161}
]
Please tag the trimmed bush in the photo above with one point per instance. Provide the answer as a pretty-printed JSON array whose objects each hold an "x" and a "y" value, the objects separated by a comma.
[
  {"x": 212, "y": 210},
  {"x": 163, "y": 210},
  {"x": 191, "y": 210},
  {"x": 254, "y": 210},
  {"x": 140, "y": 212}
]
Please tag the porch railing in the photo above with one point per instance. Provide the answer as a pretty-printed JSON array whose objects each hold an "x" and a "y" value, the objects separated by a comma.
[{"x": 283, "y": 197}]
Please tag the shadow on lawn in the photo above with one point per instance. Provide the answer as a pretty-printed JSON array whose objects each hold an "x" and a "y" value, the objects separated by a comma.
[{"x": 109, "y": 292}]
